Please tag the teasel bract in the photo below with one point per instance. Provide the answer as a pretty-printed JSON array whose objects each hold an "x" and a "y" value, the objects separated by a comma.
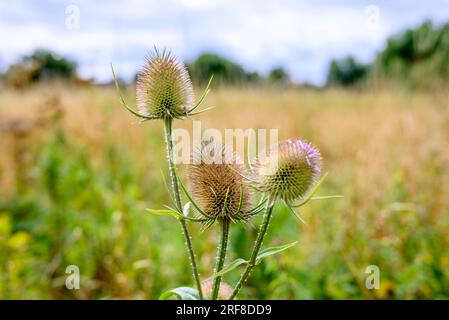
[{"x": 164, "y": 89}]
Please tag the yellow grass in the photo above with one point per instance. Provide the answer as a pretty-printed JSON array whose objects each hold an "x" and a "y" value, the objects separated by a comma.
[{"x": 385, "y": 151}]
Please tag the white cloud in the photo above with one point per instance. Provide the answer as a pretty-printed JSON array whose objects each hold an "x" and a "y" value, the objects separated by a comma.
[{"x": 302, "y": 36}]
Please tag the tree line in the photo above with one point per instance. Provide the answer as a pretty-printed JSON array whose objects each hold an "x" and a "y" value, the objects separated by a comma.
[
  {"x": 417, "y": 57},
  {"x": 45, "y": 65}
]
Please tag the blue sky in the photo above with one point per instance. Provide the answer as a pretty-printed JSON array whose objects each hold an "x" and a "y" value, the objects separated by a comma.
[{"x": 301, "y": 36}]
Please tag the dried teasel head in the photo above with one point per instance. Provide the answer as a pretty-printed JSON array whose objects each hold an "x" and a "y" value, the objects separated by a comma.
[
  {"x": 217, "y": 183},
  {"x": 289, "y": 170},
  {"x": 164, "y": 89}
]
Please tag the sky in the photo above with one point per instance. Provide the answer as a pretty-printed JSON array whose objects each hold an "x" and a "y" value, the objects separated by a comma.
[{"x": 300, "y": 36}]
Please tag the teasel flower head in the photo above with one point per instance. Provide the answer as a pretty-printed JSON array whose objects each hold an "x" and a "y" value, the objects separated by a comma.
[
  {"x": 289, "y": 170},
  {"x": 163, "y": 87},
  {"x": 217, "y": 184},
  {"x": 223, "y": 294}
]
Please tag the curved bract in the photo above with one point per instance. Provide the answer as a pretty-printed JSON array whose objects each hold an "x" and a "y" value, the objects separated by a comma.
[{"x": 163, "y": 87}]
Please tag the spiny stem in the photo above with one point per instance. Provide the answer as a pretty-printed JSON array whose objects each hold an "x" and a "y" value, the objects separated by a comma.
[
  {"x": 221, "y": 256},
  {"x": 169, "y": 141},
  {"x": 260, "y": 236}
]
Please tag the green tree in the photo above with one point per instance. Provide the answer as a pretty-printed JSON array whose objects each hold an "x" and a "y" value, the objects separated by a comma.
[
  {"x": 38, "y": 66},
  {"x": 224, "y": 70},
  {"x": 346, "y": 72},
  {"x": 278, "y": 76},
  {"x": 49, "y": 65},
  {"x": 418, "y": 57}
]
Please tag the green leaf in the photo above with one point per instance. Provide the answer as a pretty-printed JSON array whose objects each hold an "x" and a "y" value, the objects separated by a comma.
[
  {"x": 172, "y": 212},
  {"x": 327, "y": 197},
  {"x": 166, "y": 212},
  {"x": 273, "y": 250},
  {"x": 234, "y": 264},
  {"x": 183, "y": 293}
]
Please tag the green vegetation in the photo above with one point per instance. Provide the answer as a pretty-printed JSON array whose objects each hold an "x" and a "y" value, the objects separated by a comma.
[
  {"x": 416, "y": 58},
  {"x": 278, "y": 76},
  {"x": 230, "y": 73},
  {"x": 224, "y": 70},
  {"x": 39, "y": 66},
  {"x": 88, "y": 182},
  {"x": 49, "y": 66},
  {"x": 346, "y": 72},
  {"x": 77, "y": 173}
]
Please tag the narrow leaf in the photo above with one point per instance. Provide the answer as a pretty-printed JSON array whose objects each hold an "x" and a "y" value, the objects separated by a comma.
[
  {"x": 183, "y": 293},
  {"x": 167, "y": 212},
  {"x": 327, "y": 197},
  {"x": 231, "y": 266},
  {"x": 273, "y": 250}
]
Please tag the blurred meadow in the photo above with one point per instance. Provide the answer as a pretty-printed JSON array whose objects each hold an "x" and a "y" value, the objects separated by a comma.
[
  {"x": 77, "y": 170},
  {"x": 75, "y": 186}
]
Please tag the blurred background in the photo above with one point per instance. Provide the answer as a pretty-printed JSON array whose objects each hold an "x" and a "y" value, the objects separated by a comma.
[{"x": 367, "y": 82}]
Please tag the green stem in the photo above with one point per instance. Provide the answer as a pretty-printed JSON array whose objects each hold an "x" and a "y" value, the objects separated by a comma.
[
  {"x": 221, "y": 256},
  {"x": 169, "y": 140},
  {"x": 260, "y": 236}
]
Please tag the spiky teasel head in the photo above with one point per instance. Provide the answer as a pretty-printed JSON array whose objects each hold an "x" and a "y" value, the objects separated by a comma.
[
  {"x": 217, "y": 183},
  {"x": 289, "y": 170},
  {"x": 164, "y": 89},
  {"x": 223, "y": 294}
]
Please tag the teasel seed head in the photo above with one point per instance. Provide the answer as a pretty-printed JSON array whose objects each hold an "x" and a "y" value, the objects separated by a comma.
[
  {"x": 289, "y": 170},
  {"x": 164, "y": 89},
  {"x": 217, "y": 183}
]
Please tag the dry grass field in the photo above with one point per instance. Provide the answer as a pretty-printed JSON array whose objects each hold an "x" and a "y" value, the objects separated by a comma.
[{"x": 74, "y": 186}]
